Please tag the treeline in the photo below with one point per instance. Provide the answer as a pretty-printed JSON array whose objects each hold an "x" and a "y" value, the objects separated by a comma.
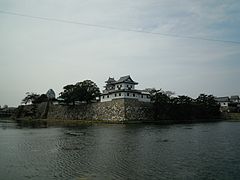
[
  {"x": 81, "y": 92},
  {"x": 37, "y": 98},
  {"x": 183, "y": 107}
]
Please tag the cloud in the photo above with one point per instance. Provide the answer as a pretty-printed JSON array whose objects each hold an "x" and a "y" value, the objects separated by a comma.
[{"x": 36, "y": 55}]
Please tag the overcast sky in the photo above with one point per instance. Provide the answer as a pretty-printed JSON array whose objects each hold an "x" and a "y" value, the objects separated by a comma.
[{"x": 36, "y": 54}]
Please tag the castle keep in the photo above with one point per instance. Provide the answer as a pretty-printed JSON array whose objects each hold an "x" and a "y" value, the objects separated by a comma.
[{"x": 124, "y": 88}]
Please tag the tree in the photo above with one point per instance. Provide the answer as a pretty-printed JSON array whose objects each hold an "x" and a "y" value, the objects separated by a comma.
[
  {"x": 182, "y": 100},
  {"x": 68, "y": 94},
  {"x": 40, "y": 99},
  {"x": 85, "y": 91},
  {"x": 207, "y": 100},
  {"x": 161, "y": 102},
  {"x": 30, "y": 98},
  {"x": 169, "y": 93},
  {"x": 159, "y": 97},
  {"x": 181, "y": 108},
  {"x": 151, "y": 90}
]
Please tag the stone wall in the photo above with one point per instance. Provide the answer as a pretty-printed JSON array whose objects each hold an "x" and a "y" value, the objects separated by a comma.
[
  {"x": 107, "y": 111},
  {"x": 31, "y": 111},
  {"x": 118, "y": 110},
  {"x": 139, "y": 111}
]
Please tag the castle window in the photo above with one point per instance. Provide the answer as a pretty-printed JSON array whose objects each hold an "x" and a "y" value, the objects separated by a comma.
[
  {"x": 133, "y": 95},
  {"x": 142, "y": 96},
  {"x": 107, "y": 96},
  {"x": 115, "y": 95},
  {"x": 103, "y": 97},
  {"x": 127, "y": 94},
  {"x": 129, "y": 87},
  {"x": 119, "y": 94}
]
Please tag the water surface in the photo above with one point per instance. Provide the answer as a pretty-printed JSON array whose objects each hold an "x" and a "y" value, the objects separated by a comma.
[{"x": 192, "y": 151}]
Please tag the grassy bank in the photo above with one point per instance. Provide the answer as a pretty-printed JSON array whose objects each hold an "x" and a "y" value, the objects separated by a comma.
[{"x": 231, "y": 116}]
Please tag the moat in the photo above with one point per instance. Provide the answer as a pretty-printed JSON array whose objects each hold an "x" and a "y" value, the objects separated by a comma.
[{"x": 118, "y": 151}]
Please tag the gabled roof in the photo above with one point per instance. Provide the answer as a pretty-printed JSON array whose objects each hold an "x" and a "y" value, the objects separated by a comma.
[
  {"x": 110, "y": 81},
  {"x": 234, "y": 97},
  {"x": 222, "y": 99},
  {"x": 126, "y": 79}
]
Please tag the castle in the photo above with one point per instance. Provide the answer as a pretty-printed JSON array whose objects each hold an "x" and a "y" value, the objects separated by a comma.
[
  {"x": 124, "y": 88},
  {"x": 119, "y": 102}
]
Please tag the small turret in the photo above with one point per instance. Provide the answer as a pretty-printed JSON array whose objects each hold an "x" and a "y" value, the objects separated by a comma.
[{"x": 51, "y": 94}]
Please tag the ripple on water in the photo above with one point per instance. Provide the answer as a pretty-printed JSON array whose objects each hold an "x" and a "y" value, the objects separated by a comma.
[{"x": 199, "y": 151}]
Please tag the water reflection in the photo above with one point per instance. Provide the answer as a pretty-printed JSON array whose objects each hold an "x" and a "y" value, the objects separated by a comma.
[{"x": 196, "y": 151}]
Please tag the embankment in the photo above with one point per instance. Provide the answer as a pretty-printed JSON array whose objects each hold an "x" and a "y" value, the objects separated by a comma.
[
  {"x": 231, "y": 116},
  {"x": 115, "y": 111}
]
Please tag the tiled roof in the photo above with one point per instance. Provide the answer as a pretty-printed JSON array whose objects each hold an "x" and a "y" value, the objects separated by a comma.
[
  {"x": 234, "y": 97},
  {"x": 222, "y": 99},
  {"x": 110, "y": 80},
  {"x": 126, "y": 79}
]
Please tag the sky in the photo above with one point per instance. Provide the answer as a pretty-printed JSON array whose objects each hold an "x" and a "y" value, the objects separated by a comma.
[{"x": 39, "y": 54}]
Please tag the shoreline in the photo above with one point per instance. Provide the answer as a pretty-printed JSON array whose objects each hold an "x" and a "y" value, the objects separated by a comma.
[
  {"x": 75, "y": 123},
  {"x": 49, "y": 122}
]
